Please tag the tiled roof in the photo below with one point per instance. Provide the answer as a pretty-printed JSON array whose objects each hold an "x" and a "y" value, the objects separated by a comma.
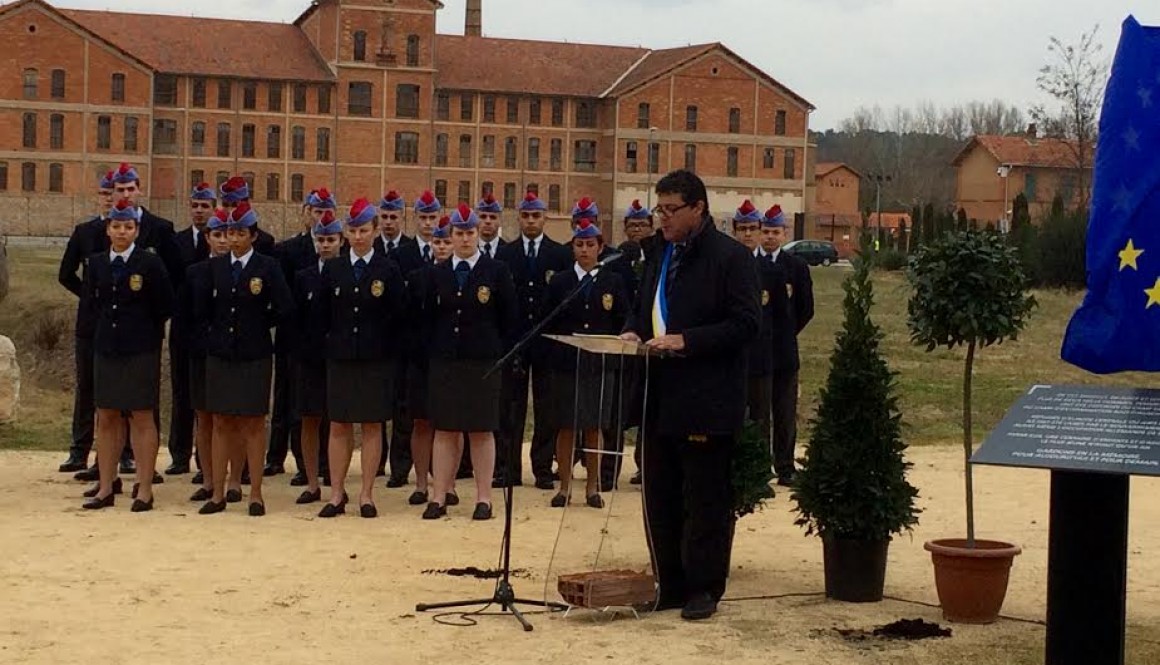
[
  {"x": 217, "y": 47},
  {"x": 822, "y": 169},
  {"x": 1024, "y": 151},
  {"x": 890, "y": 220},
  {"x": 655, "y": 64}
]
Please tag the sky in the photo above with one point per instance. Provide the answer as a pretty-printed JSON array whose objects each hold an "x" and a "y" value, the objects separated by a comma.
[{"x": 838, "y": 54}]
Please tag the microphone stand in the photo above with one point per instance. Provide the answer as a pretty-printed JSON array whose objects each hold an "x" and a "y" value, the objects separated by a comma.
[{"x": 505, "y": 595}]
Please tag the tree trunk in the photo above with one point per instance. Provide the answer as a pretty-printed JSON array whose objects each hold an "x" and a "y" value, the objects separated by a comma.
[{"x": 968, "y": 445}]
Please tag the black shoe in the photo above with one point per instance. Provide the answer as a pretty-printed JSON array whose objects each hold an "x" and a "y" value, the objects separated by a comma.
[
  {"x": 594, "y": 501},
  {"x": 158, "y": 478},
  {"x": 257, "y": 509},
  {"x": 368, "y": 510},
  {"x": 396, "y": 481},
  {"x": 140, "y": 506},
  {"x": 785, "y": 480},
  {"x": 97, "y": 504},
  {"x": 451, "y": 499},
  {"x": 88, "y": 475},
  {"x": 176, "y": 469},
  {"x": 545, "y": 484},
  {"x": 118, "y": 488},
  {"x": 498, "y": 482},
  {"x": 73, "y": 464},
  {"x": 128, "y": 467},
  {"x": 700, "y": 607},
  {"x": 308, "y": 497},
  {"x": 609, "y": 486},
  {"x": 198, "y": 478},
  {"x": 136, "y": 488},
  {"x": 559, "y": 501},
  {"x": 202, "y": 494},
  {"x": 482, "y": 511},
  {"x": 417, "y": 498},
  {"x": 331, "y": 510},
  {"x": 434, "y": 511},
  {"x": 233, "y": 496},
  {"x": 635, "y": 479},
  {"x": 210, "y": 508},
  {"x": 273, "y": 470},
  {"x": 299, "y": 480}
]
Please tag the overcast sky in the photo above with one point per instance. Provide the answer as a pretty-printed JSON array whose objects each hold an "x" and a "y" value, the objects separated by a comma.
[{"x": 839, "y": 54}]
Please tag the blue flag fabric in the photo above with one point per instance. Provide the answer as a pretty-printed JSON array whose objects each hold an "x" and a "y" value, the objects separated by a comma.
[{"x": 1117, "y": 328}]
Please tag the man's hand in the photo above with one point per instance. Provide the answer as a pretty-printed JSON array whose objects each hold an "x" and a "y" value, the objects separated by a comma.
[
  {"x": 630, "y": 337},
  {"x": 667, "y": 343}
]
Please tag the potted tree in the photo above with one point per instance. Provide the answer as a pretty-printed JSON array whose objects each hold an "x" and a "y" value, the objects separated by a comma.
[
  {"x": 969, "y": 289},
  {"x": 852, "y": 488}
]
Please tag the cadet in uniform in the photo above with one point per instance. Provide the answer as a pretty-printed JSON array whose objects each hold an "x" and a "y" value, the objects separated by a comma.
[
  {"x": 490, "y": 214},
  {"x": 235, "y": 192}
]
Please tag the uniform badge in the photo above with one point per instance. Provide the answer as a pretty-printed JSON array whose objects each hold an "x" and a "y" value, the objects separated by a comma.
[
  {"x": 789, "y": 289},
  {"x": 136, "y": 282},
  {"x": 764, "y": 297},
  {"x": 336, "y": 289},
  {"x": 548, "y": 275},
  {"x": 377, "y": 288},
  {"x": 606, "y": 300},
  {"x": 483, "y": 294},
  {"x": 151, "y": 250},
  {"x": 255, "y": 285},
  {"x": 310, "y": 296}
]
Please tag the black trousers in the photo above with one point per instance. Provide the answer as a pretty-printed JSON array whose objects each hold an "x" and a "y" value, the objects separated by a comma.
[
  {"x": 758, "y": 400},
  {"x": 84, "y": 409},
  {"x": 783, "y": 403},
  {"x": 285, "y": 425},
  {"x": 397, "y": 449},
  {"x": 181, "y": 411},
  {"x": 513, "y": 419},
  {"x": 688, "y": 501}
]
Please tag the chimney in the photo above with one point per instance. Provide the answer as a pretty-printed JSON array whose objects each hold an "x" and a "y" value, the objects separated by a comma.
[
  {"x": 1032, "y": 131},
  {"x": 474, "y": 25}
]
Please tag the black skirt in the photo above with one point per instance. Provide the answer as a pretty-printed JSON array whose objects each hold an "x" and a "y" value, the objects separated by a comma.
[
  {"x": 459, "y": 399},
  {"x": 360, "y": 391},
  {"x": 238, "y": 387},
  {"x": 595, "y": 406},
  {"x": 310, "y": 387},
  {"x": 417, "y": 371},
  {"x": 197, "y": 383},
  {"x": 127, "y": 383}
]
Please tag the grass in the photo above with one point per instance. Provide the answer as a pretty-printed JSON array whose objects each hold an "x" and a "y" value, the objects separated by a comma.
[{"x": 38, "y": 316}]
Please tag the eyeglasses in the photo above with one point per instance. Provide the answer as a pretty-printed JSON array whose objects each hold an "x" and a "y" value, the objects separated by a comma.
[{"x": 668, "y": 211}]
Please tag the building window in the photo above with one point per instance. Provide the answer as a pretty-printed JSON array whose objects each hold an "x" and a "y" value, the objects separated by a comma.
[
  {"x": 104, "y": 132},
  {"x": 690, "y": 157},
  {"x": 359, "y": 98},
  {"x": 487, "y": 151},
  {"x": 441, "y": 190},
  {"x": 585, "y": 114},
  {"x": 767, "y": 158},
  {"x": 779, "y": 123},
  {"x": 464, "y": 192},
  {"x": 510, "y": 146},
  {"x": 556, "y": 155},
  {"x": 534, "y": 111},
  {"x": 198, "y": 95},
  {"x": 165, "y": 136},
  {"x": 690, "y": 118},
  {"x": 248, "y": 140},
  {"x": 466, "y": 106},
  {"x": 412, "y": 50},
  {"x": 630, "y": 157},
  {"x": 165, "y": 90},
  {"x": 1030, "y": 183},
  {"x": 55, "y": 178},
  {"x": 3, "y": 176},
  {"x": 509, "y": 195},
  {"x": 298, "y": 142},
  {"x": 788, "y": 165},
  {"x": 273, "y": 187},
  {"x": 274, "y": 97},
  {"x": 554, "y": 198},
  {"x": 223, "y": 139},
  {"x": 300, "y": 97},
  {"x": 30, "y": 83},
  {"x": 642, "y": 115},
  {"x": 533, "y": 154},
  {"x": 443, "y": 106},
  {"x": 534, "y": 188},
  {"x": 734, "y": 120},
  {"x": 322, "y": 138},
  {"x": 360, "y": 46},
  {"x": 248, "y": 176},
  {"x": 731, "y": 162},
  {"x": 557, "y": 112},
  {"x": 465, "y": 151},
  {"x": 249, "y": 95},
  {"x": 117, "y": 88},
  {"x": 56, "y": 132},
  {"x": 225, "y": 94},
  {"x": 130, "y": 134},
  {"x": 486, "y": 187},
  {"x": 406, "y": 148},
  {"x": 513, "y": 110},
  {"x": 584, "y": 156},
  {"x": 28, "y": 177},
  {"x": 297, "y": 187},
  {"x": 196, "y": 138},
  {"x": 273, "y": 142},
  {"x": 406, "y": 101},
  {"x": 489, "y": 108},
  {"x": 196, "y": 177},
  {"x": 57, "y": 86},
  {"x": 654, "y": 157},
  {"x": 323, "y": 99},
  {"x": 220, "y": 178},
  {"x": 441, "y": 141}
]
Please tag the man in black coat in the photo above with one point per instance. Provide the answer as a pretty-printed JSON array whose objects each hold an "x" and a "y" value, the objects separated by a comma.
[{"x": 701, "y": 304}]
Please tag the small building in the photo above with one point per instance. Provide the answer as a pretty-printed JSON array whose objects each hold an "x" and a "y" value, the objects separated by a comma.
[{"x": 835, "y": 215}]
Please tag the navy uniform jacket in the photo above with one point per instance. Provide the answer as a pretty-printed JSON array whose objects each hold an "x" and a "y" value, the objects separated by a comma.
[
  {"x": 419, "y": 306},
  {"x": 771, "y": 349},
  {"x": 188, "y": 329},
  {"x": 637, "y": 255},
  {"x": 599, "y": 309},
  {"x": 187, "y": 251},
  {"x": 239, "y": 316},
  {"x": 130, "y": 312},
  {"x": 264, "y": 244},
  {"x": 362, "y": 317},
  {"x": 306, "y": 336},
  {"x": 802, "y": 296},
  {"x": 715, "y": 303},
  {"x": 477, "y": 322},
  {"x": 293, "y": 254},
  {"x": 406, "y": 254},
  {"x": 551, "y": 258}
]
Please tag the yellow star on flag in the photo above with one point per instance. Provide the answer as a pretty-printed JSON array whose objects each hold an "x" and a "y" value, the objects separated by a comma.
[
  {"x": 1128, "y": 256},
  {"x": 1153, "y": 294}
]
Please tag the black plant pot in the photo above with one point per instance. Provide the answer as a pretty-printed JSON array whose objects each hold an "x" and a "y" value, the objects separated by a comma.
[{"x": 855, "y": 569}]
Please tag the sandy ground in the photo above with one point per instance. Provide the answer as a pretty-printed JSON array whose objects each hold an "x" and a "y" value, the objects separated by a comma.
[{"x": 174, "y": 587}]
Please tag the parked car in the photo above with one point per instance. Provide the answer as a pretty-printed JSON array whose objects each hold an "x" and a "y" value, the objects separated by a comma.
[{"x": 813, "y": 252}]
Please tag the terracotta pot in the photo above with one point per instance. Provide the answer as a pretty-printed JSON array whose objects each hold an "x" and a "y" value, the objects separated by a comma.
[{"x": 971, "y": 582}]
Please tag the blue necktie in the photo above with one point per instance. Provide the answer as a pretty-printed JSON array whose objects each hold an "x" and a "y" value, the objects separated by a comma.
[
  {"x": 462, "y": 270},
  {"x": 118, "y": 267},
  {"x": 675, "y": 263},
  {"x": 236, "y": 270},
  {"x": 360, "y": 267},
  {"x": 531, "y": 258}
]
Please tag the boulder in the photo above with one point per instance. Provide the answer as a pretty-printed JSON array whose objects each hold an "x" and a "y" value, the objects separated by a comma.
[{"x": 9, "y": 380}]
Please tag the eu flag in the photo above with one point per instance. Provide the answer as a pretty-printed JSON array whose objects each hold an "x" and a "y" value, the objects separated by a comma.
[{"x": 1117, "y": 328}]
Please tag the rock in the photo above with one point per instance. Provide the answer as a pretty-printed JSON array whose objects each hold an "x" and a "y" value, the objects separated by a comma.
[{"x": 9, "y": 380}]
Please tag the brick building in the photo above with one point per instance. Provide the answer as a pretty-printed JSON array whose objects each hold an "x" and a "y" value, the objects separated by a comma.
[
  {"x": 835, "y": 212},
  {"x": 365, "y": 97}
]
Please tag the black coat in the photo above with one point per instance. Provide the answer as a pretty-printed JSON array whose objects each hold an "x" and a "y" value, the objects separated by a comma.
[
  {"x": 190, "y": 253},
  {"x": 419, "y": 319},
  {"x": 477, "y": 322},
  {"x": 551, "y": 258},
  {"x": 715, "y": 303},
  {"x": 802, "y": 296},
  {"x": 776, "y": 345},
  {"x": 265, "y": 244},
  {"x": 295, "y": 253},
  {"x": 362, "y": 317},
  {"x": 600, "y": 309},
  {"x": 130, "y": 312},
  {"x": 637, "y": 256},
  {"x": 306, "y": 335},
  {"x": 187, "y": 331},
  {"x": 239, "y": 317}
]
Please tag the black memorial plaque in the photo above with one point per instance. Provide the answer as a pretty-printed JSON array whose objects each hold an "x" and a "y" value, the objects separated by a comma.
[{"x": 1079, "y": 428}]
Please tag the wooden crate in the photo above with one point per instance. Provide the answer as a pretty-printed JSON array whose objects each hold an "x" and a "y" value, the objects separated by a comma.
[{"x": 607, "y": 588}]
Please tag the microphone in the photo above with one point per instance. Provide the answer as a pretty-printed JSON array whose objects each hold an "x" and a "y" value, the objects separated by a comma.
[{"x": 611, "y": 258}]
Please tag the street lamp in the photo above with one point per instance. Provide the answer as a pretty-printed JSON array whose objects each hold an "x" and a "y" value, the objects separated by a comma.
[
  {"x": 648, "y": 166},
  {"x": 1004, "y": 172}
]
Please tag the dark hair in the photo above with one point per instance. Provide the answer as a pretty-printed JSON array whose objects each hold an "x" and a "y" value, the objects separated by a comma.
[{"x": 687, "y": 184}]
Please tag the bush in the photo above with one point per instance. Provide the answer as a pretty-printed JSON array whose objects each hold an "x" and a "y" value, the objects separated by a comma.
[
  {"x": 51, "y": 329},
  {"x": 752, "y": 472},
  {"x": 890, "y": 259},
  {"x": 1062, "y": 245}
]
